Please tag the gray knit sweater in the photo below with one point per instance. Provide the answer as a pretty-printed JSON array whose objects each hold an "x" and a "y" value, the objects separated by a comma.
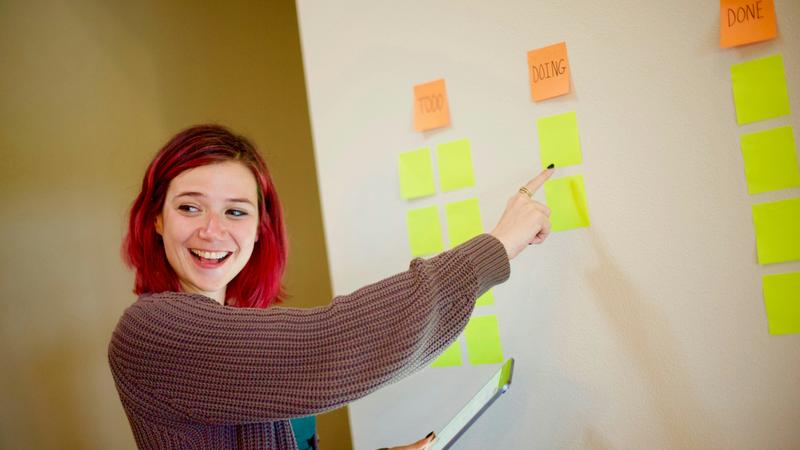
[{"x": 193, "y": 374}]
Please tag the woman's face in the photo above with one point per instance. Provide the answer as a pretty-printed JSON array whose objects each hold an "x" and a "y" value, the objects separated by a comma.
[{"x": 209, "y": 226}]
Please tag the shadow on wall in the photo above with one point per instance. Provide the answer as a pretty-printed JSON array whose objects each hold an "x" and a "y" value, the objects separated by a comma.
[{"x": 646, "y": 337}]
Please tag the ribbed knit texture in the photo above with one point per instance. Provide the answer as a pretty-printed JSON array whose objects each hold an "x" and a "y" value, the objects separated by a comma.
[{"x": 193, "y": 374}]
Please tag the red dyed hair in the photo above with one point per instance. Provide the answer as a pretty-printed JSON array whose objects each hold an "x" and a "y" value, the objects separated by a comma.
[{"x": 259, "y": 282}]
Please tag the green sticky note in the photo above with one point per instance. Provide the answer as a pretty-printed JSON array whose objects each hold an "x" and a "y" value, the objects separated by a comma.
[
  {"x": 770, "y": 160},
  {"x": 777, "y": 231},
  {"x": 487, "y": 298},
  {"x": 759, "y": 89},
  {"x": 463, "y": 220},
  {"x": 782, "y": 300},
  {"x": 455, "y": 165},
  {"x": 416, "y": 174},
  {"x": 566, "y": 198},
  {"x": 483, "y": 340},
  {"x": 424, "y": 231},
  {"x": 450, "y": 358},
  {"x": 558, "y": 140}
]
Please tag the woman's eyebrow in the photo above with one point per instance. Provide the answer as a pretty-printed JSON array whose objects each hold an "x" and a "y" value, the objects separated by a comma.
[
  {"x": 240, "y": 200},
  {"x": 190, "y": 194},
  {"x": 200, "y": 194}
]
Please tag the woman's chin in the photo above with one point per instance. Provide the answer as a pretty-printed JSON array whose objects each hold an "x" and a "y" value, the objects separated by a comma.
[{"x": 205, "y": 288}]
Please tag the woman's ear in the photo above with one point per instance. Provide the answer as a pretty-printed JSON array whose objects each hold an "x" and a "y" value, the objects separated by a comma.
[{"x": 159, "y": 223}]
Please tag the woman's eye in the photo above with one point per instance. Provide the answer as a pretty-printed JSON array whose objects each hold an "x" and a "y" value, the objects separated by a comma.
[
  {"x": 237, "y": 212},
  {"x": 188, "y": 208}
]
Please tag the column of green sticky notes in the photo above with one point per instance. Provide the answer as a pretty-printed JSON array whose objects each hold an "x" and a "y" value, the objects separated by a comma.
[
  {"x": 770, "y": 163},
  {"x": 424, "y": 228},
  {"x": 559, "y": 144}
]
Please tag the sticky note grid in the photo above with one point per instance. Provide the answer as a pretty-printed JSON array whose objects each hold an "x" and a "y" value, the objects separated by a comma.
[{"x": 462, "y": 222}]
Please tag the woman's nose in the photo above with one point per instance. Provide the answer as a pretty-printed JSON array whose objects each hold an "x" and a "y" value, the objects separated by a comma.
[{"x": 213, "y": 229}]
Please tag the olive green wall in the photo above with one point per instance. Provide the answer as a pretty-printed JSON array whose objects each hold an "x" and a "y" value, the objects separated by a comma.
[{"x": 89, "y": 91}]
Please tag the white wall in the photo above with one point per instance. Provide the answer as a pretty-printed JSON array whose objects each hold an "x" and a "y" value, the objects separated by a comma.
[{"x": 646, "y": 330}]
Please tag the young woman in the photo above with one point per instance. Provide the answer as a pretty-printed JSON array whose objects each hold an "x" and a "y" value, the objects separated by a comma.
[{"x": 204, "y": 360}]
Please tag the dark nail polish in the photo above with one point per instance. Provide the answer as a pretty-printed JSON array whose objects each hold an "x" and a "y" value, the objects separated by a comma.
[
  {"x": 551, "y": 166},
  {"x": 429, "y": 435}
]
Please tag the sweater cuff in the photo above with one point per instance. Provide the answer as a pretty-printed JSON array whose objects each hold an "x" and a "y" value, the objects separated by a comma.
[{"x": 489, "y": 258}]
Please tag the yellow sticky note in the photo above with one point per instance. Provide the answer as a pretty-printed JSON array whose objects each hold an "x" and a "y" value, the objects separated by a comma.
[
  {"x": 566, "y": 198},
  {"x": 483, "y": 340},
  {"x": 782, "y": 300},
  {"x": 416, "y": 174},
  {"x": 424, "y": 231},
  {"x": 463, "y": 220},
  {"x": 558, "y": 140},
  {"x": 759, "y": 89},
  {"x": 746, "y": 21},
  {"x": 777, "y": 231},
  {"x": 455, "y": 165},
  {"x": 430, "y": 106},
  {"x": 450, "y": 358},
  {"x": 548, "y": 71},
  {"x": 770, "y": 160},
  {"x": 487, "y": 298}
]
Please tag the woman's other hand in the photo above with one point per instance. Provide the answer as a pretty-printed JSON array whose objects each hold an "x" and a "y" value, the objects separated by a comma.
[
  {"x": 525, "y": 221},
  {"x": 421, "y": 444}
]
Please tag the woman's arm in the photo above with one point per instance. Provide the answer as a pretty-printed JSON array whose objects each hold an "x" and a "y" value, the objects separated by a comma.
[{"x": 222, "y": 365}]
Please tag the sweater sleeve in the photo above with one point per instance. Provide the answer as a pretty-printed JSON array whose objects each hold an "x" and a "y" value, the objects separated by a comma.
[{"x": 203, "y": 362}]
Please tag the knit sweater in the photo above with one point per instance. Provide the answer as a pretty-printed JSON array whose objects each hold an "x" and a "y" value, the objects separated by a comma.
[{"x": 194, "y": 374}]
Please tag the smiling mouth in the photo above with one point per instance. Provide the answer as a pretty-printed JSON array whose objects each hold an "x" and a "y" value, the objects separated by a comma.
[{"x": 207, "y": 257}]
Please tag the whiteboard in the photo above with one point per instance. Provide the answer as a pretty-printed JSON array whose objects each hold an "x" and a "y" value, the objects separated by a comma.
[{"x": 645, "y": 330}]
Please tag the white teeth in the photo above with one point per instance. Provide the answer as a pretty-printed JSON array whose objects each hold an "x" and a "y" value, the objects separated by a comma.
[{"x": 209, "y": 255}]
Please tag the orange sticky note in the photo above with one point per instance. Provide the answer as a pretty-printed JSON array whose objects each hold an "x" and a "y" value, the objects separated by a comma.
[
  {"x": 548, "y": 71},
  {"x": 430, "y": 106},
  {"x": 746, "y": 21}
]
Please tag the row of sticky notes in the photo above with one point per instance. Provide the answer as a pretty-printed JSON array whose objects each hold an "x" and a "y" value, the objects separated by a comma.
[
  {"x": 455, "y": 169},
  {"x": 425, "y": 228},
  {"x": 463, "y": 220},
  {"x": 566, "y": 198},
  {"x": 483, "y": 344}
]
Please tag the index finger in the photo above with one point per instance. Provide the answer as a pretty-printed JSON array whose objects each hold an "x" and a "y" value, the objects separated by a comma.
[{"x": 539, "y": 180}]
